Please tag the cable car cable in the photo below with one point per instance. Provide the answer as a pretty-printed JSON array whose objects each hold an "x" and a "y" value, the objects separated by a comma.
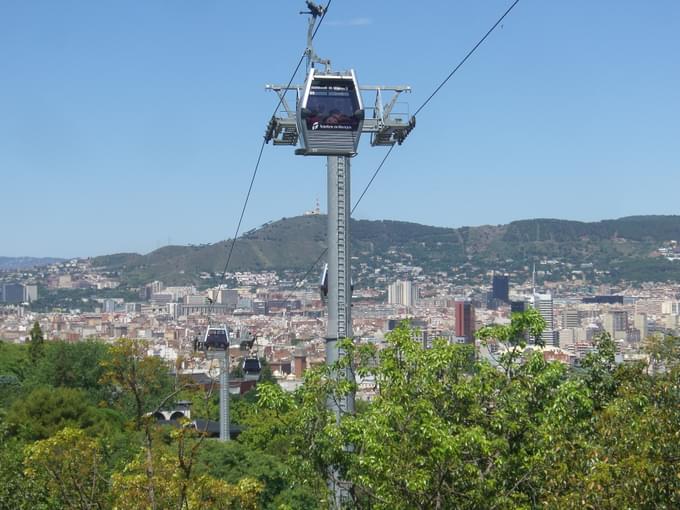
[
  {"x": 259, "y": 156},
  {"x": 439, "y": 87},
  {"x": 420, "y": 108},
  {"x": 375, "y": 173},
  {"x": 469, "y": 54},
  {"x": 352, "y": 212}
]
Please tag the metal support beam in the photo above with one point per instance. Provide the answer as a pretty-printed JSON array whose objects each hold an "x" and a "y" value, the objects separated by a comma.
[
  {"x": 224, "y": 397},
  {"x": 339, "y": 320},
  {"x": 222, "y": 358},
  {"x": 339, "y": 323}
]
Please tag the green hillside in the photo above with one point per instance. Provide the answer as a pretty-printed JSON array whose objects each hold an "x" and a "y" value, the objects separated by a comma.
[{"x": 622, "y": 248}]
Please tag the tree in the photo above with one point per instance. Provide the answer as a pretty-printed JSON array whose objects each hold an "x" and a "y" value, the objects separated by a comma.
[
  {"x": 139, "y": 380},
  {"x": 17, "y": 491},
  {"x": 663, "y": 351},
  {"x": 13, "y": 360},
  {"x": 411, "y": 448},
  {"x": 447, "y": 431},
  {"x": 266, "y": 375},
  {"x": 36, "y": 346},
  {"x": 443, "y": 430},
  {"x": 513, "y": 337},
  {"x": 233, "y": 461},
  {"x": 44, "y": 411},
  {"x": 176, "y": 487},
  {"x": 77, "y": 365},
  {"x": 237, "y": 372},
  {"x": 621, "y": 453},
  {"x": 70, "y": 466},
  {"x": 145, "y": 380},
  {"x": 72, "y": 365},
  {"x": 9, "y": 387},
  {"x": 599, "y": 367}
]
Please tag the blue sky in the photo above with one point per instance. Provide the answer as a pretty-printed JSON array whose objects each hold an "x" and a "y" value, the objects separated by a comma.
[{"x": 126, "y": 125}]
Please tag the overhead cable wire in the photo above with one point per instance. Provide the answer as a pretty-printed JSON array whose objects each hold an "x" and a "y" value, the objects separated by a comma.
[
  {"x": 311, "y": 268},
  {"x": 420, "y": 108},
  {"x": 375, "y": 174},
  {"x": 469, "y": 54},
  {"x": 439, "y": 87},
  {"x": 259, "y": 156}
]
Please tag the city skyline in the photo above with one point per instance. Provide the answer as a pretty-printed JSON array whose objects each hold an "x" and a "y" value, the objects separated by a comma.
[{"x": 128, "y": 126}]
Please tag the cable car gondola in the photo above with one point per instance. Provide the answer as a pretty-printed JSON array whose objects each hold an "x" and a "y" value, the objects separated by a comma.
[
  {"x": 247, "y": 340},
  {"x": 330, "y": 114},
  {"x": 251, "y": 368},
  {"x": 216, "y": 338}
]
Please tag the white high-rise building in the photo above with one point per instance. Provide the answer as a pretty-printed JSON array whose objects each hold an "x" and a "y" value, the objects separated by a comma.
[
  {"x": 571, "y": 318},
  {"x": 403, "y": 293},
  {"x": 544, "y": 304},
  {"x": 30, "y": 293},
  {"x": 641, "y": 325},
  {"x": 670, "y": 307},
  {"x": 616, "y": 323}
]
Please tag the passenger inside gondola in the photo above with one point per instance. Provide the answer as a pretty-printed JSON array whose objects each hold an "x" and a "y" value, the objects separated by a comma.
[
  {"x": 337, "y": 116},
  {"x": 317, "y": 111},
  {"x": 331, "y": 108}
]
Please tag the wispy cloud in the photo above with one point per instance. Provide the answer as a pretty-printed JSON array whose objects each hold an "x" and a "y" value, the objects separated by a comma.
[{"x": 354, "y": 22}]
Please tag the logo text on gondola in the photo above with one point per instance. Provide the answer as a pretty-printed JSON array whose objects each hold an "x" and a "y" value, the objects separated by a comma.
[{"x": 343, "y": 127}]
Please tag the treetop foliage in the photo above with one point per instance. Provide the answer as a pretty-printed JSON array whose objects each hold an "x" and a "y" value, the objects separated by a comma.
[{"x": 443, "y": 429}]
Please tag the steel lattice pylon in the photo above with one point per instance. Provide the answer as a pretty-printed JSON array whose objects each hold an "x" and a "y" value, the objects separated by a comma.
[{"x": 387, "y": 128}]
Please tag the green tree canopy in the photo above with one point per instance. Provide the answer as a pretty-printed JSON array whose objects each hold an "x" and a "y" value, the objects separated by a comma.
[
  {"x": 36, "y": 345},
  {"x": 446, "y": 430},
  {"x": 46, "y": 410}
]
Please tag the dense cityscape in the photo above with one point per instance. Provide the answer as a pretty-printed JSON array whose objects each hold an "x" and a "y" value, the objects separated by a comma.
[{"x": 287, "y": 320}]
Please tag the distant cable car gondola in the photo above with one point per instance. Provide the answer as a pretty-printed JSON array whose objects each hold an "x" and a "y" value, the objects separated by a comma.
[
  {"x": 216, "y": 338},
  {"x": 251, "y": 368},
  {"x": 330, "y": 114}
]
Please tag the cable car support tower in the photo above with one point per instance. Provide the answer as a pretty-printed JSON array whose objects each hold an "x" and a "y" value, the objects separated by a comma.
[
  {"x": 215, "y": 344},
  {"x": 328, "y": 119}
]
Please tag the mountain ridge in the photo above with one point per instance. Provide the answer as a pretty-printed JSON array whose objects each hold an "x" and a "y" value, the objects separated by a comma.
[
  {"x": 17, "y": 263},
  {"x": 620, "y": 247}
]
